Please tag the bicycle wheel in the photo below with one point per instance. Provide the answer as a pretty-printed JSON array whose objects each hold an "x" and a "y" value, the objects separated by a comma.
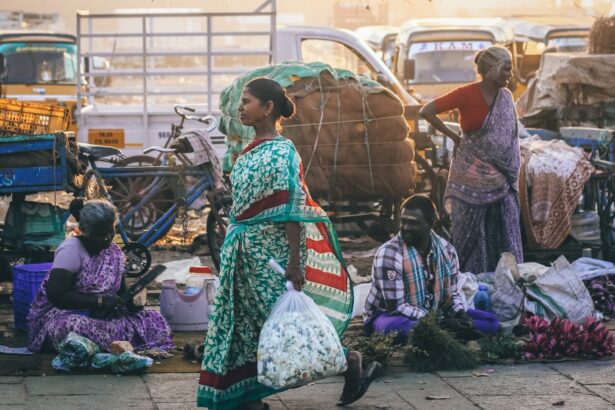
[
  {"x": 217, "y": 223},
  {"x": 126, "y": 192}
]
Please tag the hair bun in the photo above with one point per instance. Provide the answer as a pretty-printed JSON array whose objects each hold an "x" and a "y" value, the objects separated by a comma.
[
  {"x": 288, "y": 107},
  {"x": 75, "y": 207}
]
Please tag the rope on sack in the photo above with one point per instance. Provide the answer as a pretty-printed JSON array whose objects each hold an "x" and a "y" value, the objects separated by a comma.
[
  {"x": 323, "y": 103},
  {"x": 372, "y": 119},
  {"x": 337, "y": 145},
  {"x": 366, "y": 121}
]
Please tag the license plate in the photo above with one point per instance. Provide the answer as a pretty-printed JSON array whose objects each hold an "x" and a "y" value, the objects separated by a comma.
[{"x": 110, "y": 137}]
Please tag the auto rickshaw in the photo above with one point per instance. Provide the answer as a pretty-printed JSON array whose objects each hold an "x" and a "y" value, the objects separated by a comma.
[
  {"x": 537, "y": 35},
  {"x": 381, "y": 39},
  {"x": 434, "y": 56}
]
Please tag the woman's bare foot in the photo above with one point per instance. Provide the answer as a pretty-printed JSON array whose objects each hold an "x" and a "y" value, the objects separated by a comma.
[{"x": 356, "y": 382}]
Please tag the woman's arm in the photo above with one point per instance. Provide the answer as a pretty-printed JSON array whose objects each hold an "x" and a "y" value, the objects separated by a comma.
[
  {"x": 293, "y": 269},
  {"x": 61, "y": 294},
  {"x": 429, "y": 113}
]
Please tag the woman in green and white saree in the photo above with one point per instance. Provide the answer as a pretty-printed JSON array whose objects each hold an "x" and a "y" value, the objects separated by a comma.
[{"x": 273, "y": 216}]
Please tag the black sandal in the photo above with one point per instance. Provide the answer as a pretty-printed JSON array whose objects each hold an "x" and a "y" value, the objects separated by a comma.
[{"x": 350, "y": 395}]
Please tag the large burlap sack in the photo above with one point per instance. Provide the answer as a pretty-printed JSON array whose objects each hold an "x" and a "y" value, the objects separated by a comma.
[
  {"x": 350, "y": 132},
  {"x": 353, "y": 139}
]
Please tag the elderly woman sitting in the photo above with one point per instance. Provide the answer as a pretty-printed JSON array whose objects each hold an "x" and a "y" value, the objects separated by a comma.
[{"x": 81, "y": 291}]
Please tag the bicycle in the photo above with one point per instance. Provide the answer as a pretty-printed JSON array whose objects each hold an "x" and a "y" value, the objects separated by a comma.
[
  {"x": 161, "y": 178},
  {"x": 128, "y": 190}
]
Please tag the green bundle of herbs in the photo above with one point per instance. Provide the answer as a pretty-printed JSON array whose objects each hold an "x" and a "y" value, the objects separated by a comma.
[{"x": 435, "y": 349}]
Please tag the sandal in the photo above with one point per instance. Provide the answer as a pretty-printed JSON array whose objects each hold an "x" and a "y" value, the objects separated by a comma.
[{"x": 369, "y": 375}]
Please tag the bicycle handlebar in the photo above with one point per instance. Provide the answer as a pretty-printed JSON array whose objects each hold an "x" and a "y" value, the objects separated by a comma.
[
  {"x": 159, "y": 149},
  {"x": 179, "y": 110}
]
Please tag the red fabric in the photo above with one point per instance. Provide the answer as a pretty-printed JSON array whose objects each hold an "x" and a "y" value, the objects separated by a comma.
[
  {"x": 277, "y": 199},
  {"x": 469, "y": 100},
  {"x": 234, "y": 376},
  {"x": 316, "y": 275}
]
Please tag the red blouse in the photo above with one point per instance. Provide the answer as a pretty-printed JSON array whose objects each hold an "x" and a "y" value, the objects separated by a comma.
[{"x": 469, "y": 100}]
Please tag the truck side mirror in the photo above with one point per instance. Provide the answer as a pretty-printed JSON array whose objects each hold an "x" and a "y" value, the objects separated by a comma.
[{"x": 409, "y": 69}]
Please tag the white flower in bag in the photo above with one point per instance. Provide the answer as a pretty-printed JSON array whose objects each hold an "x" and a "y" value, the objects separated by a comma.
[{"x": 297, "y": 344}]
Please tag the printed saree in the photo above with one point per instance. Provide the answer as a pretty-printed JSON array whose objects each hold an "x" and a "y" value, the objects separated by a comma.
[
  {"x": 482, "y": 191},
  {"x": 268, "y": 189}
]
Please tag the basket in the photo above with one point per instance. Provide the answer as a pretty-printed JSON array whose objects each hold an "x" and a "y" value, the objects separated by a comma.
[
  {"x": 18, "y": 117},
  {"x": 27, "y": 280}
]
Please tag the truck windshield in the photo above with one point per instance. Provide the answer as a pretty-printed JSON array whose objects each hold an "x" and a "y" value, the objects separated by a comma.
[
  {"x": 39, "y": 63},
  {"x": 445, "y": 62},
  {"x": 568, "y": 44}
]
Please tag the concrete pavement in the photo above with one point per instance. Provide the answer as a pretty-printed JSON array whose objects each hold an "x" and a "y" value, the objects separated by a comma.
[{"x": 569, "y": 385}]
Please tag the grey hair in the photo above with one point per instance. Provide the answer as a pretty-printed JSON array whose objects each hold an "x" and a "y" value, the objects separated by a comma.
[{"x": 96, "y": 213}]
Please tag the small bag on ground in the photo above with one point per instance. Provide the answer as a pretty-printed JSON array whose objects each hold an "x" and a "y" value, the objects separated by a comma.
[{"x": 298, "y": 344}]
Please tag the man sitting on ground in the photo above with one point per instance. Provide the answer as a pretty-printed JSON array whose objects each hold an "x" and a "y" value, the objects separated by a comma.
[{"x": 415, "y": 273}]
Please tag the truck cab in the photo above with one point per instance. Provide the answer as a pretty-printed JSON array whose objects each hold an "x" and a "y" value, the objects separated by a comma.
[
  {"x": 340, "y": 49},
  {"x": 38, "y": 66},
  {"x": 434, "y": 56}
]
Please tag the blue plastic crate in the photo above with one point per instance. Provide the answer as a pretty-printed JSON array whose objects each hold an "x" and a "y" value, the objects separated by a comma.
[{"x": 27, "y": 280}]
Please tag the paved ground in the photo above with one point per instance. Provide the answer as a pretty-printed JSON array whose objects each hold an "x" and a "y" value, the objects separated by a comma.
[{"x": 573, "y": 385}]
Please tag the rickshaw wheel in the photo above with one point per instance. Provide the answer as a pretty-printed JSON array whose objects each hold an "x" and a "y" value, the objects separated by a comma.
[
  {"x": 138, "y": 259},
  {"x": 125, "y": 194}
]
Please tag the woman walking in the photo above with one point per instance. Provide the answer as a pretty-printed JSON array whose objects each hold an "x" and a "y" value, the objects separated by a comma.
[
  {"x": 482, "y": 191},
  {"x": 273, "y": 216}
]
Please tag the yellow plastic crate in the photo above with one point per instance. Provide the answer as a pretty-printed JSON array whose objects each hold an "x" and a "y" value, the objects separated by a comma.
[{"x": 18, "y": 117}]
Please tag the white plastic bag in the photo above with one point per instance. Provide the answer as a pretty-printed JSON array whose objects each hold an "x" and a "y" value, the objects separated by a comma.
[{"x": 298, "y": 343}]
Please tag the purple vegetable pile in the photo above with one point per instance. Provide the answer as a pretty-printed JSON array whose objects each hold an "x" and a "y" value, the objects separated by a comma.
[
  {"x": 562, "y": 338},
  {"x": 602, "y": 291}
]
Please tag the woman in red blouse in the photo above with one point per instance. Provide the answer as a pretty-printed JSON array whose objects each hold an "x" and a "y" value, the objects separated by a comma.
[{"x": 482, "y": 190}]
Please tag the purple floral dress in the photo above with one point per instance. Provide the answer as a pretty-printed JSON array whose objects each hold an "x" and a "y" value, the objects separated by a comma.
[{"x": 101, "y": 275}]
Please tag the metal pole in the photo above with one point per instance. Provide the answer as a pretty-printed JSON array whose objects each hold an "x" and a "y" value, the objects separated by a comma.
[
  {"x": 79, "y": 78},
  {"x": 145, "y": 60},
  {"x": 209, "y": 67}
]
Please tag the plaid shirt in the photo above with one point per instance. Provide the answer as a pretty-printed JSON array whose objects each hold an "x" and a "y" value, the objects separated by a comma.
[{"x": 388, "y": 293}]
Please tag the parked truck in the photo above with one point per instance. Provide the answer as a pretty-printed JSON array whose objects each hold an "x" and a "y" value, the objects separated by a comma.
[{"x": 158, "y": 60}]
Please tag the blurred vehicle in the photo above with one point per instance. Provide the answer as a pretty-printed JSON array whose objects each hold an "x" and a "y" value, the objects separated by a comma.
[
  {"x": 381, "y": 39},
  {"x": 434, "y": 56},
  {"x": 37, "y": 65},
  {"x": 154, "y": 68},
  {"x": 537, "y": 35}
]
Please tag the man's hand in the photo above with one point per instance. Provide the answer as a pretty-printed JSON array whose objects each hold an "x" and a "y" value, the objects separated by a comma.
[
  {"x": 111, "y": 302},
  {"x": 463, "y": 318},
  {"x": 296, "y": 276}
]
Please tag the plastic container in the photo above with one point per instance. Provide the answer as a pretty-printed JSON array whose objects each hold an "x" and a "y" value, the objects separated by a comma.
[
  {"x": 482, "y": 299},
  {"x": 187, "y": 313},
  {"x": 196, "y": 279},
  {"x": 27, "y": 280}
]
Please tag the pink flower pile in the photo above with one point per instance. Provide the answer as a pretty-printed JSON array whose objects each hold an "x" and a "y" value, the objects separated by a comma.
[{"x": 562, "y": 338}]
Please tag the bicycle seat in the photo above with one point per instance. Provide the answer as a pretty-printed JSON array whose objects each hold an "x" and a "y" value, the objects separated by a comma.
[{"x": 98, "y": 151}]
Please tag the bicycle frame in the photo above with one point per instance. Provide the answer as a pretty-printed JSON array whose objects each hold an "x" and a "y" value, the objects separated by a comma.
[{"x": 161, "y": 174}]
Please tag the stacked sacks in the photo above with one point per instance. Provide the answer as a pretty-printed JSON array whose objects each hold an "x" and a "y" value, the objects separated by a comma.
[{"x": 350, "y": 132}]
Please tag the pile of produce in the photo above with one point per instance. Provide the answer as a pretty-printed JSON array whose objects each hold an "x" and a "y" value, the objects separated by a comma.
[
  {"x": 602, "y": 291},
  {"x": 434, "y": 348},
  {"x": 562, "y": 338}
]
